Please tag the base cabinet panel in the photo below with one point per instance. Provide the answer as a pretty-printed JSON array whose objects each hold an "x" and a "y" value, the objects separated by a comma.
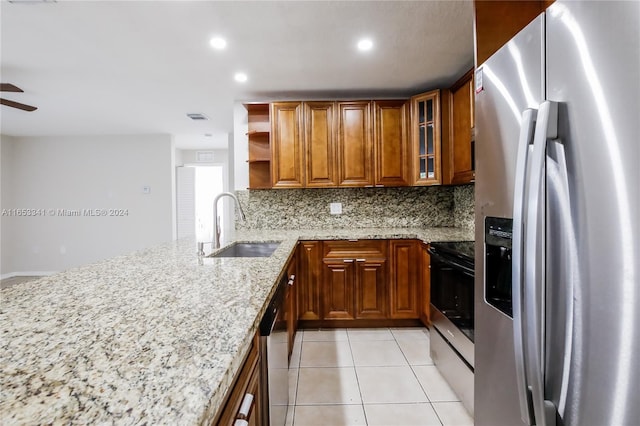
[
  {"x": 370, "y": 289},
  {"x": 309, "y": 280},
  {"x": 338, "y": 290},
  {"x": 425, "y": 267},
  {"x": 405, "y": 286}
]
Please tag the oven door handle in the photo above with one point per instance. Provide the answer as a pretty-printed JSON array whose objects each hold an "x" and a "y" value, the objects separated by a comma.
[{"x": 451, "y": 262}]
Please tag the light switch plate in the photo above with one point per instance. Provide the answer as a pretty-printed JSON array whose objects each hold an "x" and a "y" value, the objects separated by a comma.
[
  {"x": 335, "y": 208},
  {"x": 146, "y": 189}
]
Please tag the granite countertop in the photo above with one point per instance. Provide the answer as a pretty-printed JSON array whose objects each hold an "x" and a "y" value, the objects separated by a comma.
[{"x": 152, "y": 337}]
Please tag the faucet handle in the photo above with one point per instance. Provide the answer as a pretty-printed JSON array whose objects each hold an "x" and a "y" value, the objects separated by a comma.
[{"x": 201, "y": 247}]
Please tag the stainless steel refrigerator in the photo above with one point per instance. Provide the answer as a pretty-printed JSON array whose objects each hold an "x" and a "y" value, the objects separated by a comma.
[{"x": 557, "y": 291}]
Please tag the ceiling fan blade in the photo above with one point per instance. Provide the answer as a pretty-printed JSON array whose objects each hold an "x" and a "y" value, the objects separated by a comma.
[
  {"x": 18, "y": 105},
  {"x": 7, "y": 87}
]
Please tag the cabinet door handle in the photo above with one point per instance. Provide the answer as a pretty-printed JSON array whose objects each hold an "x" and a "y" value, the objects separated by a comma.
[
  {"x": 290, "y": 282},
  {"x": 292, "y": 277},
  {"x": 361, "y": 260},
  {"x": 348, "y": 261},
  {"x": 241, "y": 422},
  {"x": 245, "y": 407}
]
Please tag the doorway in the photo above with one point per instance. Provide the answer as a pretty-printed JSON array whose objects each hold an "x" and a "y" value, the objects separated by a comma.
[{"x": 197, "y": 186}]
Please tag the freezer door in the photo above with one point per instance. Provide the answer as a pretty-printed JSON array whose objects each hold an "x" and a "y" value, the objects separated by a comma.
[
  {"x": 512, "y": 81},
  {"x": 592, "y": 372}
]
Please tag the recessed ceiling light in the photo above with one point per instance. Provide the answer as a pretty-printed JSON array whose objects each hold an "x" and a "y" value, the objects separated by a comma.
[
  {"x": 218, "y": 43},
  {"x": 365, "y": 44},
  {"x": 240, "y": 77}
]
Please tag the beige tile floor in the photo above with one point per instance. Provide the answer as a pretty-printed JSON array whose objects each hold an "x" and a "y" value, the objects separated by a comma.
[{"x": 370, "y": 377}]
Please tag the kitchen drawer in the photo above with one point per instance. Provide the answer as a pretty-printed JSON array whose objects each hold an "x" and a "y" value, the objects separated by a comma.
[{"x": 344, "y": 249}]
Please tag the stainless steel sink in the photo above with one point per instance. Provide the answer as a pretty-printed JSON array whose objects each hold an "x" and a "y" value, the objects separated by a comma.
[{"x": 252, "y": 249}]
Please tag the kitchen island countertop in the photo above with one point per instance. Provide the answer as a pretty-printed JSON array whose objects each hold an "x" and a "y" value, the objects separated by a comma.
[{"x": 152, "y": 337}]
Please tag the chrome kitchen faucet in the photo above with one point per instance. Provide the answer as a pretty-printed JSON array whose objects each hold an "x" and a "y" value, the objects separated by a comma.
[{"x": 216, "y": 237}]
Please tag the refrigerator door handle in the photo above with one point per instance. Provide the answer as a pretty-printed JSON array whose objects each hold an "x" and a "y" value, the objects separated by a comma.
[
  {"x": 525, "y": 141},
  {"x": 534, "y": 273}
]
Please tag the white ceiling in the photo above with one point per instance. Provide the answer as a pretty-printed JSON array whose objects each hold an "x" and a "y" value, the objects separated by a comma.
[{"x": 131, "y": 67}]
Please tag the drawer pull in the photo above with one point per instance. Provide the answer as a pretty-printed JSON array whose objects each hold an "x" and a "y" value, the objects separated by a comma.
[
  {"x": 348, "y": 260},
  {"x": 245, "y": 407},
  {"x": 361, "y": 260}
]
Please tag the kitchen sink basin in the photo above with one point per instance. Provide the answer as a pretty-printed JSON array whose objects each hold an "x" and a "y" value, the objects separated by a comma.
[{"x": 252, "y": 249}]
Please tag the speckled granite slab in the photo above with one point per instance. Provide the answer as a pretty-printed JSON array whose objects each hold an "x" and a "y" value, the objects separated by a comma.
[
  {"x": 154, "y": 337},
  {"x": 361, "y": 208}
]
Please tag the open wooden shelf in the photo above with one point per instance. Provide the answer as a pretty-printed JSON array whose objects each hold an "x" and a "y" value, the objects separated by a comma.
[
  {"x": 260, "y": 175},
  {"x": 259, "y": 135},
  {"x": 258, "y": 118}
]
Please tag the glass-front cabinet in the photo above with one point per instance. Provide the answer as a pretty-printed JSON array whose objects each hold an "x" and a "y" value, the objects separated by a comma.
[{"x": 425, "y": 122}]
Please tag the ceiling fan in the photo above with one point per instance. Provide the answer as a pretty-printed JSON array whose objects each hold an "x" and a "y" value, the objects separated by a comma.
[{"x": 6, "y": 87}]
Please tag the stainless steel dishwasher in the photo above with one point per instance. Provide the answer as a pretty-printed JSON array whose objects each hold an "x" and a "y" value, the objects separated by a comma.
[{"x": 274, "y": 358}]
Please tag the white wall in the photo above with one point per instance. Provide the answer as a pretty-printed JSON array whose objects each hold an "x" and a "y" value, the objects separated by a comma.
[
  {"x": 240, "y": 147},
  {"x": 6, "y": 198},
  {"x": 76, "y": 173}
]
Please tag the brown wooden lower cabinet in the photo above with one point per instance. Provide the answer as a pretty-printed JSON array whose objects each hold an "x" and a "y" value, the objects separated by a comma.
[
  {"x": 337, "y": 289},
  {"x": 292, "y": 302},
  {"x": 425, "y": 315},
  {"x": 370, "y": 288},
  {"x": 405, "y": 286},
  {"x": 246, "y": 385},
  {"x": 360, "y": 283},
  {"x": 353, "y": 281},
  {"x": 308, "y": 280}
]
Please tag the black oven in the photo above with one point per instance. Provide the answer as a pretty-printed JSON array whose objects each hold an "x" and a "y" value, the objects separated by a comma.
[
  {"x": 452, "y": 283},
  {"x": 452, "y": 308}
]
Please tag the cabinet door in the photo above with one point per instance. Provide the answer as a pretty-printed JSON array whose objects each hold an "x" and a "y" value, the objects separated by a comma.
[
  {"x": 371, "y": 289},
  {"x": 425, "y": 128},
  {"x": 405, "y": 282},
  {"x": 426, "y": 286},
  {"x": 319, "y": 146},
  {"x": 247, "y": 381},
  {"x": 255, "y": 415},
  {"x": 338, "y": 289},
  {"x": 286, "y": 146},
  {"x": 390, "y": 142},
  {"x": 458, "y": 139},
  {"x": 292, "y": 302},
  {"x": 308, "y": 280},
  {"x": 355, "y": 161}
]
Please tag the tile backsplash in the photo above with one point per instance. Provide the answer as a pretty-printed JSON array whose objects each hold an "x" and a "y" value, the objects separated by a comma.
[
  {"x": 464, "y": 206},
  {"x": 361, "y": 208}
]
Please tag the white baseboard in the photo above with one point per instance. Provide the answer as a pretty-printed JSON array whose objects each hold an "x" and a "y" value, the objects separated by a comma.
[{"x": 27, "y": 274}]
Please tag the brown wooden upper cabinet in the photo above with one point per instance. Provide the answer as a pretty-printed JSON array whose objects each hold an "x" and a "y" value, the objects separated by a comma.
[
  {"x": 319, "y": 145},
  {"x": 327, "y": 144},
  {"x": 425, "y": 129},
  {"x": 286, "y": 147},
  {"x": 458, "y": 146},
  {"x": 390, "y": 140},
  {"x": 497, "y": 21},
  {"x": 355, "y": 160}
]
